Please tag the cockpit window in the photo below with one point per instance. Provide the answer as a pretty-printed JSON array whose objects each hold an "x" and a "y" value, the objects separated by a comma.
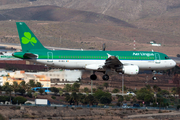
[{"x": 167, "y": 57}]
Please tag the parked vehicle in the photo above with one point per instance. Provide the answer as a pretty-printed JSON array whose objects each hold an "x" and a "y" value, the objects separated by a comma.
[
  {"x": 128, "y": 93},
  {"x": 46, "y": 89},
  {"x": 42, "y": 102},
  {"x": 136, "y": 105}
]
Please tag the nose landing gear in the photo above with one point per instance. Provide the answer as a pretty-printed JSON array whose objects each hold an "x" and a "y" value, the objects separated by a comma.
[{"x": 154, "y": 77}]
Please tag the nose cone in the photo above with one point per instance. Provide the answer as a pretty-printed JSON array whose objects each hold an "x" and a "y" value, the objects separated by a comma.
[{"x": 173, "y": 63}]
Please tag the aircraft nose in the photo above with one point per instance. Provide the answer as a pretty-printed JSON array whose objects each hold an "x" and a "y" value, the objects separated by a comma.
[{"x": 173, "y": 63}]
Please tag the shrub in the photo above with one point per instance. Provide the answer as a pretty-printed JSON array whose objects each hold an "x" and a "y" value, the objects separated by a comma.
[
  {"x": 19, "y": 100},
  {"x": 53, "y": 97},
  {"x": 115, "y": 90},
  {"x": 4, "y": 98},
  {"x": 86, "y": 90},
  {"x": 127, "y": 98},
  {"x": 105, "y": 100},
  {"x": 29, "y": 94},
  {"x": 178, "y": 106}
]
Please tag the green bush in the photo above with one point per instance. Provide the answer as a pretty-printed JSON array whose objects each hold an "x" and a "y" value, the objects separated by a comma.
[
  {"x": 120, "y": 98},
  {"x": 4, "y": 98},
  {"x": 178, "y": 106},
  {"x": 127, "y": 98},
  {"x": 53, "y": 97},
  {"x": 86, "y": 90},
  {"x": 29, "y": 94},
  {"x": 115, "y": 90},
  {"x": 19, "y": 100},
  {"x": 105, "y": 100}
]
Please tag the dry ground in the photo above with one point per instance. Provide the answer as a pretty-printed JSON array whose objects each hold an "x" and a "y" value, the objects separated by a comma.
[{"x": 38, "y": 112}]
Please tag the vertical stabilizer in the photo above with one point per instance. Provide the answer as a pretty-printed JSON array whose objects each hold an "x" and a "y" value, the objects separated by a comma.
[{"x": 27, "y": 39}]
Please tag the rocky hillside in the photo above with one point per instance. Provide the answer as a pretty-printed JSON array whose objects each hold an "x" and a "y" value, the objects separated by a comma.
[
  {"x": 121, "y": 9},
  {"x": 55, "y": 13},
  {"x": 90, "y": 23}
]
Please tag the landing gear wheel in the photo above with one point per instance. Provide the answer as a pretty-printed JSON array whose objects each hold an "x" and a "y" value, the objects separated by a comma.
[
  {"x": 105, "y": 77},
  {"x": 154, "y": 78},
  {"x": 93, "y": 77}
]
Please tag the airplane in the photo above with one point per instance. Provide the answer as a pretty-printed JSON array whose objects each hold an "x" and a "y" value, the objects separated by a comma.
[{"x": 123, "y": 62}]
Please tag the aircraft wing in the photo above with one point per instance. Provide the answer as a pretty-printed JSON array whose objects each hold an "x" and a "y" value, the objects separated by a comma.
[
  {"x": 112, "y": 62},
  {"x": 30, "y": 56}
]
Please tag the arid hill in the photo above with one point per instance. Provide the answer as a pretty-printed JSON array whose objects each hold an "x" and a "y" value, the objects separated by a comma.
[
  {"x": 89, "y": 24},
  {"x": 54, "y": 13},
  {"x": 121, "y": 9}
]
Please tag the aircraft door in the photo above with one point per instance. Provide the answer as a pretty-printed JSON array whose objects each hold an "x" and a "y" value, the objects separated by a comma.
[
  {"x": 50, "y": 57},
  {"x": 157, "y": 58}
]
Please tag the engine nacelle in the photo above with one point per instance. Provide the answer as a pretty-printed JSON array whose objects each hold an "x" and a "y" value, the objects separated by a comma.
[{"x": 130, "y": 69}]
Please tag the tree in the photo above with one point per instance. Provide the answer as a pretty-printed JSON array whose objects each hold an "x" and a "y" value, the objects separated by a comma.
[
  {"x": 32, "y": 83},
  {"x": 1, "y": 89},
  {"x": 29, "y": 94},
  {"x": 115, "y": 90},
  {"x": 75, "y": 87},
  {"x": 19, "y": 100},
  {"x": 164, "y": 92},
  {"x": 82, "y": 98},
  {"x": 100, "y": 87},
  {"x": 55, "y": 90},
  {"x": 23, "y": 85},
  {"x": 35, "y": 95},
  {"x": 127, "y": 98},
  {"x": 41, "y": 91},
  {"x": 105, "y": 100},
  {"x": 38, "y": 84},
  {"x": 90, "y": 99},
  {"x": 86, "y": 90},
  {"x": 148, "y": 87},
  {"x": 15, "y": 87},
  {"x": 60, "y": 92},
  {"x": 99, "y": 93},
  {"x": 75, "y": 97},
  {"x": 68, "y": 99},
  {"x": 155, "y": 88},
  {"x": 4, "y": 98},
  {"x": 174, "y": 91},
  {"x": 21, "y": 90},
  {"x": 67, "y": 88},
  {"x": 144, "y": 94},
  {"x": 8, "y": 89},
  {"x": 120, "y": 98},
  {"x": 106, "y": 85}
]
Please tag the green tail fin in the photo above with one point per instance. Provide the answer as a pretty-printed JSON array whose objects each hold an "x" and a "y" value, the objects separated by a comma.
[{"x": 27, "y": 39}]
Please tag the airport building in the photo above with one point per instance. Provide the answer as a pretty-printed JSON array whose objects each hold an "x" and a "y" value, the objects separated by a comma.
[
  {"x": 62, "y": 77},
  {"x": 45, "y": 78}
]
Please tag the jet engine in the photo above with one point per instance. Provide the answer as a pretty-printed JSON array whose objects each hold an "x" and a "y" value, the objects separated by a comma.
[{"x": 129, "y": 69}]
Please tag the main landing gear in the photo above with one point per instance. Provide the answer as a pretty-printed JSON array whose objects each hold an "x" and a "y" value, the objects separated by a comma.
[
  {"x": 105, "y": 77},
  {"x": 94, "y": 77}
]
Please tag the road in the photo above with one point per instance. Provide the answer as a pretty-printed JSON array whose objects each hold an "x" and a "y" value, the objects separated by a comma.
[{"x": 154, "y": 115}]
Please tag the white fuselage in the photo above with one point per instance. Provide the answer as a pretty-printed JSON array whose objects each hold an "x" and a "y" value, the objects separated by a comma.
[{"x": 81, "y": 64}]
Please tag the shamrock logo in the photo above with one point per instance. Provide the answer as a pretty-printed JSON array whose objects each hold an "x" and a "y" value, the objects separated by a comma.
[{"x": 27, "y": 39}]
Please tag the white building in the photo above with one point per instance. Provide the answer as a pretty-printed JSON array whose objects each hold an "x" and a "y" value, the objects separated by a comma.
[{"x": 63, "y": 76}]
